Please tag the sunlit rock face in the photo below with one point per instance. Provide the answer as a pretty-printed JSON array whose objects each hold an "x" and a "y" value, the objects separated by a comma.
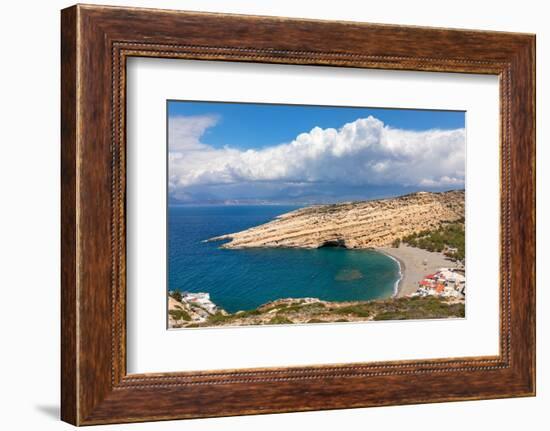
[{"x": 354, "y": 225}]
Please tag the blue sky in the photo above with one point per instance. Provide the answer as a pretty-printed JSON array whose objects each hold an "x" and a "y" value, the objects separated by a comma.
[
  {"x": 269, "y": 124},
  {"x": 251, "y": 153}
]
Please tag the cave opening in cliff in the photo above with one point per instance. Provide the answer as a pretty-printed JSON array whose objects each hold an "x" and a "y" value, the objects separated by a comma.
[{"x": 334, "y": 243}]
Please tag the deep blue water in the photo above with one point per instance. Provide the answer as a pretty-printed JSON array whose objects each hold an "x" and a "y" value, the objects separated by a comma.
[{"x": 245, "y": 279}]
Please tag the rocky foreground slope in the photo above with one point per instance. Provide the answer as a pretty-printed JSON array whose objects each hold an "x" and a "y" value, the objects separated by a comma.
[
  {"x": 363, "y": 224},
  {"x": 313, "y": 310}
]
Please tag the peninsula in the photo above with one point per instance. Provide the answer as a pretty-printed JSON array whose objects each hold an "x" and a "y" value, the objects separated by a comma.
[{"x": 354, "y": 225}]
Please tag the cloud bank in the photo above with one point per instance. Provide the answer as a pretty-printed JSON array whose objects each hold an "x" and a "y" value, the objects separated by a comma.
[
  {"x": 365, "y": 152},
  {"x": 184, "y": 133}
]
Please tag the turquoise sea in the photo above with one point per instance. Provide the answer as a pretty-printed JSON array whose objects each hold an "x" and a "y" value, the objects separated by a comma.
[{"x": 246, "y": 279}]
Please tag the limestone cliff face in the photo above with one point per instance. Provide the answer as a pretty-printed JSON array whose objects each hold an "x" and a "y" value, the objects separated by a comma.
[{"x": 362, "y": 224}]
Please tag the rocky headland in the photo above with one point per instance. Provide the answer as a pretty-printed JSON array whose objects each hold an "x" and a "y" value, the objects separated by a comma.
[{"x": 354, "y": 225}]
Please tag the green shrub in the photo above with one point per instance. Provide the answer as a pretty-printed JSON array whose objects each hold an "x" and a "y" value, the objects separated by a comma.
[
  {"x": 419, "y": 308},
  {"x": 447, "y": 235},
  {"x": 303, "y": 307},
  {"x": 280, "y": 320},
  {"x": 358, "y": 310},
  {"x": 176, "y": 294},
  {"x": 219, "y": 318},
  {"x": 391, "y": 315},
  {"x": 179, "y": 315},
  {"x": 248, "y": 313}
]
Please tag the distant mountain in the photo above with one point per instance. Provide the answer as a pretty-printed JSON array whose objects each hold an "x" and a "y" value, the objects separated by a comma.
[{"x": 291, "y": 196}]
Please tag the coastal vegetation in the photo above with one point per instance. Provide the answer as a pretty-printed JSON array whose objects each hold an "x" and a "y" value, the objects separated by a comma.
[
  {"x": 312, "y": 310},
  {"x": 180, "y": 314},
  {"x": 448, "y": 238},
  {"x": 176, "y": 294}
]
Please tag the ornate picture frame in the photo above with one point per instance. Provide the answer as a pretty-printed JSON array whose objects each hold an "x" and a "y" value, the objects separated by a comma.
[{"x": 96, "y": 41}]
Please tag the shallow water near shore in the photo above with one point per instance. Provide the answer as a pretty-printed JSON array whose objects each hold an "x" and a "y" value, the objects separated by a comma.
[{"x": 246, "y": 279}]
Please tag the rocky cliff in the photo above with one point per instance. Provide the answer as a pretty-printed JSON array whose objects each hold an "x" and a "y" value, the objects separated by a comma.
[{"x": 363, "y": 224}]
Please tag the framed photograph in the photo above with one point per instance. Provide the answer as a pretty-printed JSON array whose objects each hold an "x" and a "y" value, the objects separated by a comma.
[
  {"x": 329, "y": 225},
  {"x": 266, "y": 215}
]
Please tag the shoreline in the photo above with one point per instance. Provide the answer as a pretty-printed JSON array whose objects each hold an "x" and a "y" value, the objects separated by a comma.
[
  {"x": 402, "y": 269},
  {"x": 415, "y": 263}
]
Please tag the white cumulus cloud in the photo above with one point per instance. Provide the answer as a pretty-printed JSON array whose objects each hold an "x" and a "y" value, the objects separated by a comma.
[
  {"x": 363, "y": 152},
  {"x": 184, "y": 132}
]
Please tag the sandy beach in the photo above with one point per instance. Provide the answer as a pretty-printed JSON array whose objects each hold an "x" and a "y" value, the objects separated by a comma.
[{"x": 415, "y": 265}]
